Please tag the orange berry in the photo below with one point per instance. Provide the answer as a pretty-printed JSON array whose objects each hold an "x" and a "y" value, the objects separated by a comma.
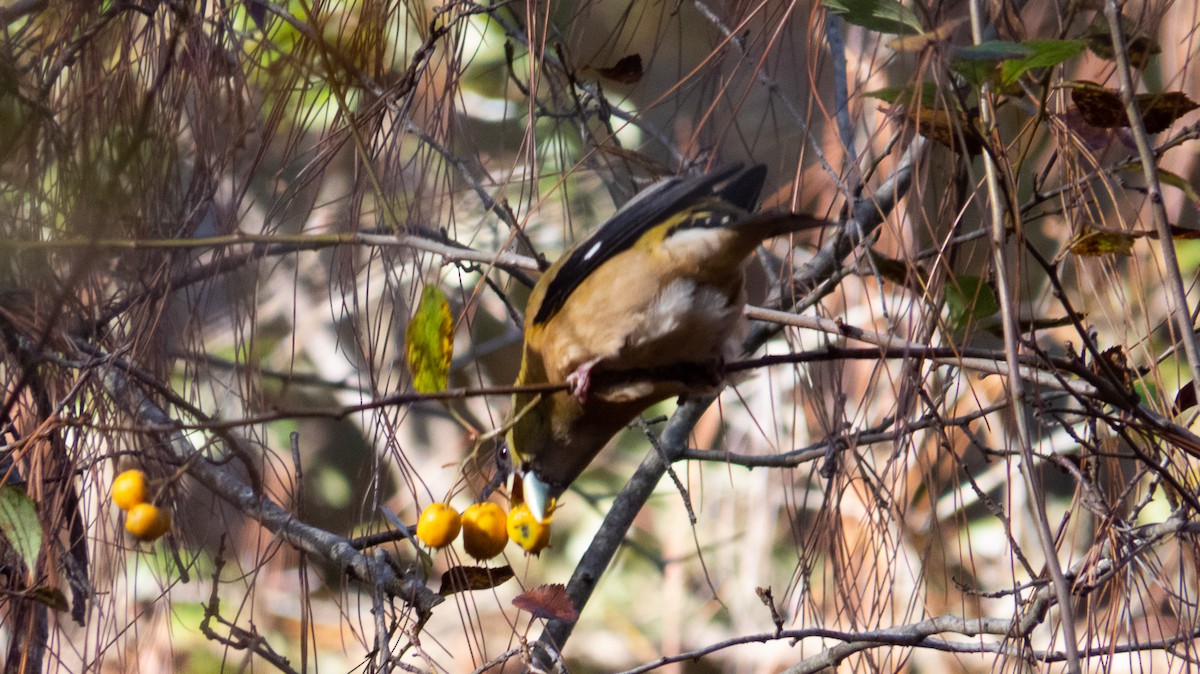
[
  {"x": 147, "y": 521},
  {"x": 484, "y": 533},
  {"x": 526, "y": 531},
  {"x": 438, "y": 525},
  {"x": 129, "y": 489}
]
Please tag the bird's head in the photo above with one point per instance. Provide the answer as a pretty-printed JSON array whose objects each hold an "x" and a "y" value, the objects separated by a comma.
[
  {"x": 553, "y": 439},
  {"x": 528, "y": 443}
]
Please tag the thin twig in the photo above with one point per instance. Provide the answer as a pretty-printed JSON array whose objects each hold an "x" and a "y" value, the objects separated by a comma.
[
  {"x": 1000, "y": 187},
  {"x": 1177, "y": 295}
]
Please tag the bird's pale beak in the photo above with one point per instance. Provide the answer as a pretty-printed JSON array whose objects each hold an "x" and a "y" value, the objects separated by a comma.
[{"x": 537, "y": 495}]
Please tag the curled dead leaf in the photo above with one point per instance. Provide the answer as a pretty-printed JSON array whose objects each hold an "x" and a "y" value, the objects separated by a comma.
[
  {"x": 466, "y": 578},
  {"x": 628, "y": 70},
  {"x": 548, "y": 601}
]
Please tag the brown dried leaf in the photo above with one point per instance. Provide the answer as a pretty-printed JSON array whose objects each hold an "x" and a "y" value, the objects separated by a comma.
[
  {"x": 1139, "y": 47},
  {"x": 1183, "y": 233},
  {"x": 1185, "y": 399},
  {"x": 939, "y": 125},
  {"x": 1097, "y": 105},
  {"x": 1118, "y": 362},
  {"x": 628, "y": 70},
  {"x": 548, "y": 601},
  {"x": 466, "y": 578},
  {"x": 900, "y": 272},
  {"x": 922, "y": 41},
  {"x": 1160, "y": 111},
  {"x": 1102, "y": 107},
  {"x": 50, "y": 596}
]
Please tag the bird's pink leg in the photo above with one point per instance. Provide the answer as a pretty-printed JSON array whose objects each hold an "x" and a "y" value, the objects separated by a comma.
[{"x": 579, "y": 380}]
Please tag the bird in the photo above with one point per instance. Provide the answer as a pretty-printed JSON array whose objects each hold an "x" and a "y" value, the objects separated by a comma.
[{"x": 646, "y": 308}]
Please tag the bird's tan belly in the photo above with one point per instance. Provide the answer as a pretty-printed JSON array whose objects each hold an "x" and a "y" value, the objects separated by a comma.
[{"x": 686, "y": 322}]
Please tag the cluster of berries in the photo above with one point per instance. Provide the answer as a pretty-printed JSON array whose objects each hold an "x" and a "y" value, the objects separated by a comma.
[
  {"x": 143, "y": 519},
  {"x": 485, "y": 528}
]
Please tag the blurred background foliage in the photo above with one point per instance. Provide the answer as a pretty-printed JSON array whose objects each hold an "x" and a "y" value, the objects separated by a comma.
[{"x": 216, "y": 220}]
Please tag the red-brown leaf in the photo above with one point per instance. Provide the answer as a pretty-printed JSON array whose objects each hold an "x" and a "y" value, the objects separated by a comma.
[{"x": 548, "y": 601}]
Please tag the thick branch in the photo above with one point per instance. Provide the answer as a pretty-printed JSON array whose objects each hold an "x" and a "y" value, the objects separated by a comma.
[{"x": 315, "y": 541}]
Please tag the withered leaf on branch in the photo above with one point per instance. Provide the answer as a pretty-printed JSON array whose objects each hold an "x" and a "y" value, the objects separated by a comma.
[
  {"x": 1139, "y": 47},
  {"x": 1093, "y": 242},
  {"x": 1160, "y": 111},
  {"x": 954, "y": 130},
  {"x": 628, "y": 70},
  {"x": 925, "y": 40},
  {"x": 1102, "y": 107},
  {"x": 466, "y": 578},
  {"x": 548, "y": 601},
  {"x": 1185, "y": 399}
]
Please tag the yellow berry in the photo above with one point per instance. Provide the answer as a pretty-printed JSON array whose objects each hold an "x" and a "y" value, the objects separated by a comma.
[
  {"x": 438, "y": 525},
  {"x": 147, "y": 521},
  {"x": 526, "y": 531},
  {"x": 129, "y": 489},
  {"x": 484, "y": 533}
]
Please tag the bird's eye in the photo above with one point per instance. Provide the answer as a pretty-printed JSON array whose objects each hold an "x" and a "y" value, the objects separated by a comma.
[
  {"x": 504, "y": 462},
  {"x": 504, "y": 467}
]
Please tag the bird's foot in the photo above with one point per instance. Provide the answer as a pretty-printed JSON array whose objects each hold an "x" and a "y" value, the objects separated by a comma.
[{"x": 579, "y": 380}]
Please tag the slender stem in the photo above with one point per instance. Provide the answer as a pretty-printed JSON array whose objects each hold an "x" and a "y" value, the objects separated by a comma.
[
  {"x": 1176, "y": 295},
  {"x": 1006, "y": 289}
]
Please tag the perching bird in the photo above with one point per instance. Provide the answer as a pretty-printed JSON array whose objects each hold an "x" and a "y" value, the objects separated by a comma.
[{"x": 647, "y": 308}]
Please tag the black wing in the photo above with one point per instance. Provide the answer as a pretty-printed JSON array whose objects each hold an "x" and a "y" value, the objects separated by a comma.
[{"x": 647, "y": 209}]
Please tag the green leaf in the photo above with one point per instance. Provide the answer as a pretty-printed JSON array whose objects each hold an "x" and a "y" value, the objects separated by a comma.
[
  {"x": 1044, "y": 54},
  {"x": 1179, "y": 182},
  {"x": 884, "y": 16},
  {"x": 1147, "y": 392},
  {"x": 978, "y": 63},
  {"x": 430, "y": 341},
  {"x": 906, "y": 94},
  {"x": 19, "y": 523},
  {"x": 50, "y": 596},
  {"x": 969, "y": 298},
  {"x": 976, "y": 72},
  {"x": 993, "y": 50}
]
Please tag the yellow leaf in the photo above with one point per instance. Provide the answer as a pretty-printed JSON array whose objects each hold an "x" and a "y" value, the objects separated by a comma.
[
  {"x": 952, "y": 129},
  {"x": 430, "y": 342},
  {"x": 916, "y": 43},
  {"x": 1179, "y": 182},
  {"x": 1093, "y": 243}
]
